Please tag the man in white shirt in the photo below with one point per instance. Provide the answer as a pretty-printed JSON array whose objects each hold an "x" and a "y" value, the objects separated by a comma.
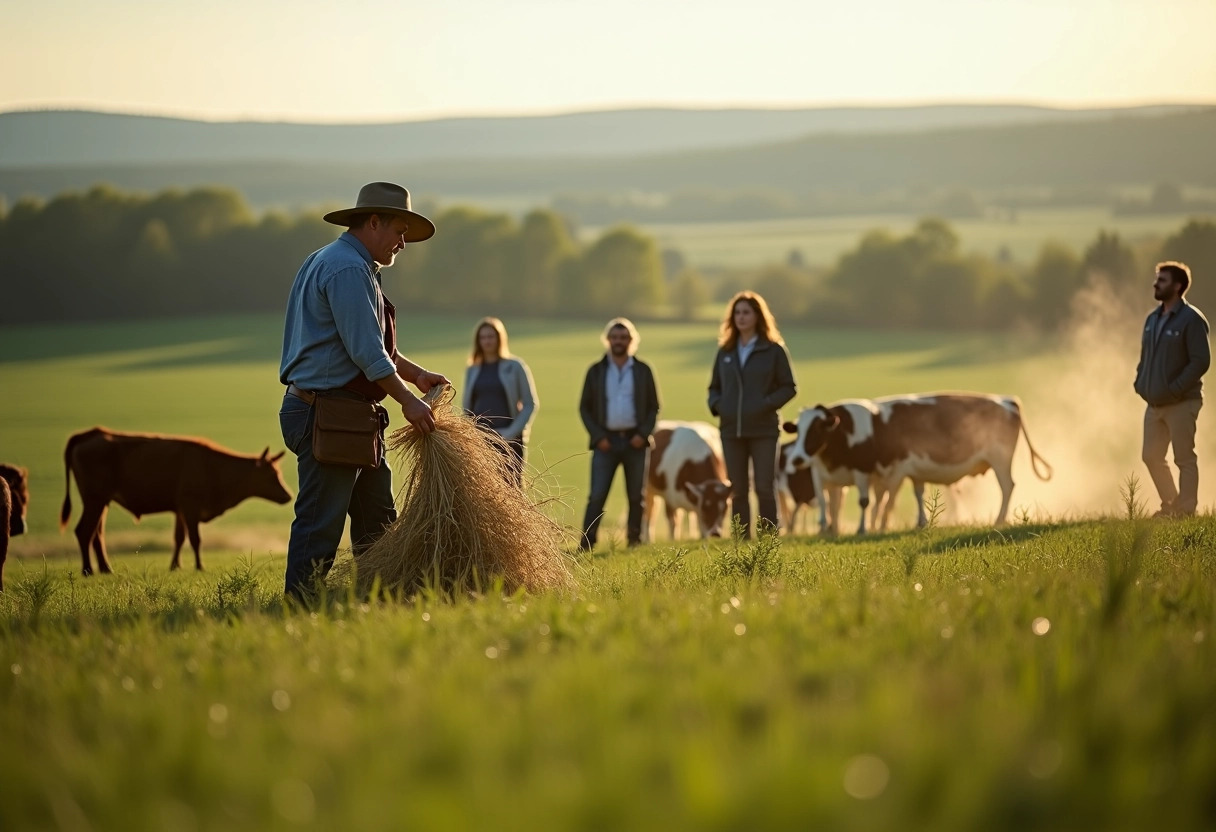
[{"x": 619, "y": 407}]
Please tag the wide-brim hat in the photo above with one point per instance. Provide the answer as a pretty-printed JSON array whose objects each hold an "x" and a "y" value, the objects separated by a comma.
[{"x": 386, "y": 198}]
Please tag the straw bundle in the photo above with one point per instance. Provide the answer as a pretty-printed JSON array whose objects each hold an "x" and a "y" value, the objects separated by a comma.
[{"x": 462, "y": 522}]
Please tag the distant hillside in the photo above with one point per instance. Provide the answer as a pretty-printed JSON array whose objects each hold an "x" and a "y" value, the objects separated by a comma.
[
  {"x": 43, "y": 139},
  {"x": 1103, "y": 153}
]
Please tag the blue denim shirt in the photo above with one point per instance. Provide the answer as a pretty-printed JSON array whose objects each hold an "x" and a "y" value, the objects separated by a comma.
[{"x": 333, "y": 330}]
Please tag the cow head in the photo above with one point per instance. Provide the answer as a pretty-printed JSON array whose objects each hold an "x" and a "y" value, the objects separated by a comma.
[
  {"x": 815, "y": 426},
  {"x": 19, "y": 488},
  {"x": 268, "y": 479},
  {"x": 712, "y": 499}
]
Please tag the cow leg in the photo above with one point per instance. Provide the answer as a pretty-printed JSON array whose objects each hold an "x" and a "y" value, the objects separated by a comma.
[
  {"x": 648, "y": 515},
  {"x": 99, "y": 543},
  {"x": 784, "y": 510},
  {"x": 918, "y": 488},
  {"x": 673, "y": 521},
  {"x": 179, "y": 537},
  {"x": 192, "y": 531},
  {"x": 833, "y": 498},
  {"x": 88, "y": 528},
  {"x": 863, "y": 499},
  {"x": 1004, "y": 476},
  {"x": 888, "y": 504},
  {"x": 882, "y": 495}
]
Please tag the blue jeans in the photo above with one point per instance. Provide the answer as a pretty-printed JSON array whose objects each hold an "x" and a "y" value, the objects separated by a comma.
[
  {"x": 327, "y": 494},
  {"x": 603, "y": 469}
]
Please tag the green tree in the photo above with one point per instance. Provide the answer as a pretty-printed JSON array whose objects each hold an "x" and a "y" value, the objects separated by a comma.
[
  {"x": 1195, "y": 245},
  {"x": 621, "y": 271},
  {"x": 689, "y": 293},
  {"x": 1109, "y": 258},
  {"x": 1054, "y": 281},
  {"x": 467, "y": 265},
  {"x": 786, "y": 290},
  {"x": 544, "y": 242}
]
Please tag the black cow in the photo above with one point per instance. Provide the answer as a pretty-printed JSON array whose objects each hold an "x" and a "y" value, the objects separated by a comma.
[{"x": 14, "y": 498}]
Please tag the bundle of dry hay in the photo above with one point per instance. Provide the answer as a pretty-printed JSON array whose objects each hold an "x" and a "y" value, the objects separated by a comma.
[{"x": 462, "y": 523}]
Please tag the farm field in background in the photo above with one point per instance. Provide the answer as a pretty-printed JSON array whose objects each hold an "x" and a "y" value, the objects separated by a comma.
[
  {"x": 218, "y": 378},
  {"x": 823, "y": 239}
]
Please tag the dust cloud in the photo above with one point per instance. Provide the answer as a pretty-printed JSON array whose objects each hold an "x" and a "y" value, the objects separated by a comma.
[{"x": 1085, "y": 419}]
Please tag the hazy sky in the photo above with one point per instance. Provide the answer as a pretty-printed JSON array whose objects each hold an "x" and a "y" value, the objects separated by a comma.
[{"x": 381, "y": 60}]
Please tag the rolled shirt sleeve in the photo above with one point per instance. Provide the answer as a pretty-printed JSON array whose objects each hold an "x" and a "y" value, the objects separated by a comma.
[{"x": 356, "y": 304}]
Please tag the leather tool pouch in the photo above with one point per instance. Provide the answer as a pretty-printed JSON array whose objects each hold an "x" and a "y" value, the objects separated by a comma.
[{"x": 348, "y": 432}]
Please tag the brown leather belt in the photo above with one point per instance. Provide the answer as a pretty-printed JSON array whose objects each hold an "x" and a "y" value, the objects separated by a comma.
[{"x": 305, "y": 395}]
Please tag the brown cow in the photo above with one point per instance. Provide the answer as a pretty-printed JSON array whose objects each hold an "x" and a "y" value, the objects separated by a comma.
[
  {"x": 687, "y": 472},
  {"x": 147, "y": 473},
  {"x": 14, "y": 497}
]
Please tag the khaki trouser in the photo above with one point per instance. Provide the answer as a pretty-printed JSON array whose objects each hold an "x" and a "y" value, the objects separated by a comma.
[{"x": 1173, "y": 424}]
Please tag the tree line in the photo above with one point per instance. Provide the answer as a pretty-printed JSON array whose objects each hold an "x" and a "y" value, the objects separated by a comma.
[
  {"x": 106, "y": 254},
  {"x": 924, "y": 280}
]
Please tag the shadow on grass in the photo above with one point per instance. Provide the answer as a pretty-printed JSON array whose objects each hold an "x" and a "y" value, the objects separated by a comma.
[{"x": 949, "y": 539}]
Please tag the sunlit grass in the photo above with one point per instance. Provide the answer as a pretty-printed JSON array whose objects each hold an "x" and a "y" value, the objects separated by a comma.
[{"x": 983, "y": 684}]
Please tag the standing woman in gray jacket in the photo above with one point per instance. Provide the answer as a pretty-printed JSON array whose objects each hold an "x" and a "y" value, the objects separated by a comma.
[
  {"x": 752, "y": 379},
  {"x": 499, "y": 392}
]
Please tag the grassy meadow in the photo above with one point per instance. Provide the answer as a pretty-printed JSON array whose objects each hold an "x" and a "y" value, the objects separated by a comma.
[
  {"x": 218, "y": 378},
  {"x": 1051, "y": 675}
]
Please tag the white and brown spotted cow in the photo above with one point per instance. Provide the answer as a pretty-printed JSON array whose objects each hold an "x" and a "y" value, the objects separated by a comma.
[
  {"x": 688, "y": 474},
  {"x": 795, "y": 489},
  {"x": 935, "y": 438}
]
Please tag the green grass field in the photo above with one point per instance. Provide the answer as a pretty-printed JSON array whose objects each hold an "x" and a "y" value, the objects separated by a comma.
[
  {"x": 1053, "y": 675},
  {"x": 823, "y": 239},
  {"x": 218, "y": 378},
  {"x": 1044, "y": 678}
]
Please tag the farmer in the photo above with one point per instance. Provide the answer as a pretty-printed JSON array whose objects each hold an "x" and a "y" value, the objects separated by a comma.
[
  {"x": 1174, "y": 355},
  {"x": 619, "y": 406},
  {"x": 340, "y": 339}
]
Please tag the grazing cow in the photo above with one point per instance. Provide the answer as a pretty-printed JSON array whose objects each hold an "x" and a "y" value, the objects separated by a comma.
[
  {"x": 686, "y": 470},
  {"x": 795, "y": 489},
  {"x": 934, "y": 438},
  {"x": 147, "y": 473},
  {"x": 14, "y": 497}
]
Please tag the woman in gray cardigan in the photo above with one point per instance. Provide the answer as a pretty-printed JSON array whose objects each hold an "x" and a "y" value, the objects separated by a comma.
[{"x": 498, "y": 391}]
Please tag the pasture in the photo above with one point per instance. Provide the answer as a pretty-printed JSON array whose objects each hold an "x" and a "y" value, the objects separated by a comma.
[
  {"x": 1051, "y": 675},
  {"x": 218, "y": 378}
]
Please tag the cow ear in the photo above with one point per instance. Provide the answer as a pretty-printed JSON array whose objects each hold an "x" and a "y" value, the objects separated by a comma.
[
  {"x": 789, "y": 427},
  {"x": 278, "y": 456}
]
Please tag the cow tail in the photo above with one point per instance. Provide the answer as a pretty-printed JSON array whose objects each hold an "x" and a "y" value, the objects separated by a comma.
[
  {"x": 66, "y": 511},
  {"x": 1035, "y": 459}
]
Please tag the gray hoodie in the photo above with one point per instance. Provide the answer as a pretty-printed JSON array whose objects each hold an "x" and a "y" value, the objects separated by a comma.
[{"x": 1172, "y": 362}]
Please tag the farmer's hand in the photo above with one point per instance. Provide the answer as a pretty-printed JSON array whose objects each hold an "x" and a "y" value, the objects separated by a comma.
[
  {"x": 637, "y": 442},
  {"x": 426, "y": 381},
  {"x": 604, "y": 445},
  {"x": 418, "y": 414}
]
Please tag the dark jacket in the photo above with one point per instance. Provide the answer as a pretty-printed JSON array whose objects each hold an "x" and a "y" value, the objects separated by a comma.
[
  {"x": 747, "y": 400},
  {"x": 1172, "y": 364},
  {"x": 593, "y": 406}
]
